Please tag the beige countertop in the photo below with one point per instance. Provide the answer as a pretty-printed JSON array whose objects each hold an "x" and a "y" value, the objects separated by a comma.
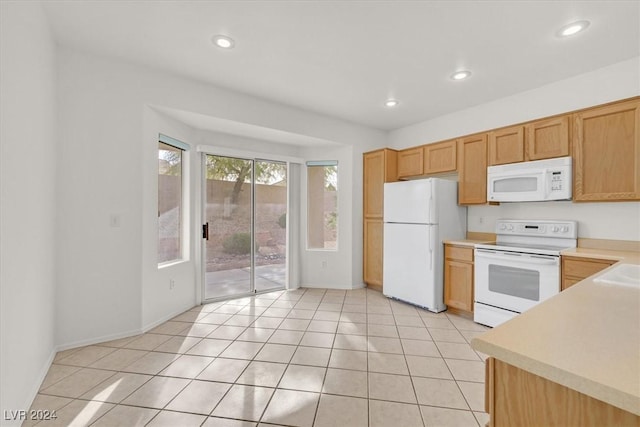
[
  {"x": 624, "y": 256},
  {"x": 466, "y": 242},
  {"x": 586, "y": 338}
]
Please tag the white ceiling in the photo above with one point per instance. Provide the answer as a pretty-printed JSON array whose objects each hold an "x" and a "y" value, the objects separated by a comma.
[{"x": 344, "y": 58}]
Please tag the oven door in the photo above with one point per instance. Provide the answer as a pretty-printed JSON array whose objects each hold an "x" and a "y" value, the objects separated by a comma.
[{"x": 515, "y": 281}]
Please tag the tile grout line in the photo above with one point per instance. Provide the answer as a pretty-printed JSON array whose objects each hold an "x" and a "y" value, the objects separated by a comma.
[
  {"x": 415, "y": 394},
  {"x": 180, "y": 353}
]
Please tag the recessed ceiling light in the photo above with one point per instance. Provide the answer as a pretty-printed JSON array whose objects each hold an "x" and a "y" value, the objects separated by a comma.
[
  {"x": 391, "y": 103},
  {"x": 460, "y": 75},
  {"x": 573, "y": 28},
  {"x": 223, "y": 42}
]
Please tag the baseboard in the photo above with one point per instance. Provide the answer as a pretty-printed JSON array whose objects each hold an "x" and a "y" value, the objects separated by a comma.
[
  {"x": 36, "y": 388},
  {"x": 461, "y": 313},
  {"x": 338, "y": 287},
  {"x": 98, "y": 340},
  {"x": 149, "y": 326}
]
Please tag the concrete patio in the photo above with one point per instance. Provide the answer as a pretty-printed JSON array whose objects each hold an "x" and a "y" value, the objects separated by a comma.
[{"x": 237, "y": 281}]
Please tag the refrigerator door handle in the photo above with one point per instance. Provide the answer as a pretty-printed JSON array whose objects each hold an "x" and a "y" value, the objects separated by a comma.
[
  {"x": 432, "y": 247},
  {"x": 432, "y": 209}
]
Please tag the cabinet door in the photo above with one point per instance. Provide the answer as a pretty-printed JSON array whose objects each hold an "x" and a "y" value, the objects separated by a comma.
[
  {"x": 378, "y": 167},
  {"x": 606, "y": 148},
  {"x": 458, "y": 289},
  {"x": 548, "y": 138},
  {"x": 410, "y": 162},
  {"x": 440, "y": 157},
  {"x": 506, "y": 145},
  {"x": 373, "y": 181},
  {"x": 373, "y": 252},
  {"x": 472, "y": 170}
]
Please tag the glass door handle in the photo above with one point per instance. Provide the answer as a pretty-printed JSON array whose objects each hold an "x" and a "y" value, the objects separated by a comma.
[{"x": 205, "y": 231}]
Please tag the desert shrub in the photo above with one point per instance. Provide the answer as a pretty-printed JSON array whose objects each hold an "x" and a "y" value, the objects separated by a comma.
[
  {"x": 282, "y": 220},
  {"x": 238, "y": 244}
]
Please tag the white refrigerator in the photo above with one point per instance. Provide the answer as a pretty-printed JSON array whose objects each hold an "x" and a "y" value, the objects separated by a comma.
[{"x": 418, "y": 216}]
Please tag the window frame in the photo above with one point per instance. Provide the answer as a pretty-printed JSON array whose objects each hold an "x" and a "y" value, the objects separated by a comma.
[
  {"x": 323, "y": 164},
  {"x": 183, "y": 227}
]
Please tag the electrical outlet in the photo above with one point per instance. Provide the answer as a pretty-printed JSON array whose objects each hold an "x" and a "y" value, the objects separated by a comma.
[
  {"x": 481, "y": 220},
  {"x": 172, "y": 283},
  {"x": 324, "y": 264}
]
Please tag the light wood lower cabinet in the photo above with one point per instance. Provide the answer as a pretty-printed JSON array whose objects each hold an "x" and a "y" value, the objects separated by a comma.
[
  {"x": 458, "y": 278},
  {"x": 373, "y": 231},
  {"x": 576, "y": 269},
  {"x": 515, "y": 397}
]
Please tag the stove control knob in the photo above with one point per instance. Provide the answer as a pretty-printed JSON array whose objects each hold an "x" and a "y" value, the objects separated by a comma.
[
  {"x": 510, "y": 227},
  {"x": 555, "y": 229},
  {"x": 565, "y": 229},
  {"x": 502, "y": 226}
]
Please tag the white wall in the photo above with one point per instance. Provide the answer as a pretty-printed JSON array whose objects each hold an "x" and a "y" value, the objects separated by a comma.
[
  {"x": 618, "y": 220},
  {"x": 334, "y": 268},
  {"x": 615, "y": 220},
  {"x": 27, "y": 211},
  {"x": 159, "y": 301},
  {"x": 617, "y": 81},
  {"x": 104, "y": 170}
]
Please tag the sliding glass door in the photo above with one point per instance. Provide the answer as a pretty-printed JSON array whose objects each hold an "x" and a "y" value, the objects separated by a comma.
[
  {"x": 270, "y": 225},
  {"x": 246, "y": 210}
]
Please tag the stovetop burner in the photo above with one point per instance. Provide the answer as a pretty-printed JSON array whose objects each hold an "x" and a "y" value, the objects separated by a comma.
[{"x": 534, "y": 236}]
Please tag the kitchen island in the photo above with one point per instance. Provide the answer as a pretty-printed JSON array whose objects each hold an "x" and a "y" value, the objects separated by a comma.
[{"x": 571, "y": 360}]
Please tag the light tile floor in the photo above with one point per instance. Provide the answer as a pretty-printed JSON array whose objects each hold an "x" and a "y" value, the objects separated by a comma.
[{"x": 307, "y": 357}]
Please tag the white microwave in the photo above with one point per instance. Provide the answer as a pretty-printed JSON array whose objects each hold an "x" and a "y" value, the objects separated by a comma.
[{"x": 541, "y": 180}]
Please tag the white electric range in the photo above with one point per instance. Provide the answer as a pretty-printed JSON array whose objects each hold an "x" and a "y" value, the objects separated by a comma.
[{"x": 521, "y": 269}]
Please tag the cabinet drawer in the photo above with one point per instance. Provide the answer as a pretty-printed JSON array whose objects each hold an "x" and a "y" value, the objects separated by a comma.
[
  {"x": 458, "y": 253},
  {"x": 585, "y": 267},
  {"x": 567, "y": 282}
]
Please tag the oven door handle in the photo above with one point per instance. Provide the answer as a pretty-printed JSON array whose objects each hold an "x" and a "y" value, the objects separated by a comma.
[{"x": 518, "y": 257}]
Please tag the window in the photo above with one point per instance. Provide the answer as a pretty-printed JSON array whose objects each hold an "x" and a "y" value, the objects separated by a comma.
[
  {"x": 170, "y": 199},
  {"x": 322, "y": 206}
]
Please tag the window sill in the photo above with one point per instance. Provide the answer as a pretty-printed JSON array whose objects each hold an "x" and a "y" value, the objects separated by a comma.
[{"x": 172, "y": 263}]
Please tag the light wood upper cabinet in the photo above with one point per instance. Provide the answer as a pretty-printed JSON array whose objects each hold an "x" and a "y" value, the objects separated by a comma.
[
  {"x": 506, "y": 145},
  {"x": 410, "y": 162},
  {"x": 440, "y": 157},
  {"x": 606, "y": 150},
  {"x": 472, "y": 170},
  {"x": 548, "y": 138},
  {"x": 378, "y": 167}
]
